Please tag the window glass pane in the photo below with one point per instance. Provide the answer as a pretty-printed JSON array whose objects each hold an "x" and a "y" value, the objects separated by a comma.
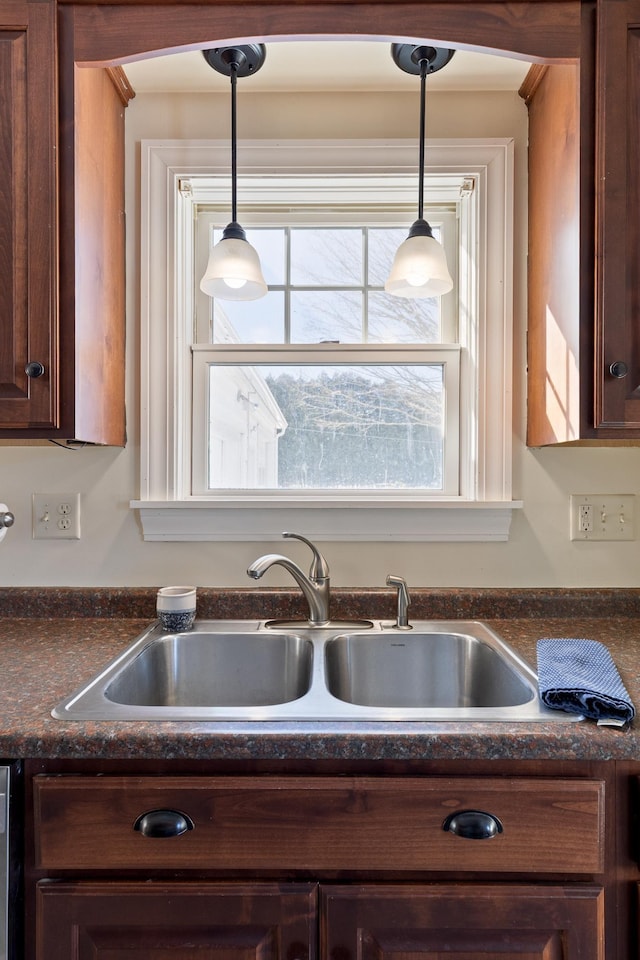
[
  {"x": 253, "y": 321},
  {"x": 400, "y": 320},
  {"x": 301, "y": 427},
  {"x": 318, "y": 315},
  {"x": 383, "y": 244},
  {"x": 270, "y": 245},
  {"x": 330, "y": 257}
]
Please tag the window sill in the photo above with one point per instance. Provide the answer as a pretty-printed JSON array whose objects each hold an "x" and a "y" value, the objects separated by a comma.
[{"x": 327, "y": 519}]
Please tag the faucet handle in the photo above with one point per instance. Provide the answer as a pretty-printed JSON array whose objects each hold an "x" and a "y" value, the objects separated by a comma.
[{"x": 319, "y": 566}]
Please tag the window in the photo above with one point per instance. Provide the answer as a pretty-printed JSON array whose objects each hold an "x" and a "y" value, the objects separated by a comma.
[
  {"x": 328, "y": 416},
  {"x": 327, "y": 393}
]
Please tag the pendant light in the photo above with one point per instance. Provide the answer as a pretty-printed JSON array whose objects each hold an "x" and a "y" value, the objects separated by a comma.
[
  {"x": 420, "y": 266},
  {"x": 233, "y": 271}
]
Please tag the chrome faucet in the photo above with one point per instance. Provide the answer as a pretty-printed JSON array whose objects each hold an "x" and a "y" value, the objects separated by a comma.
[
  {"x": 402, "y": 616},
  {"x": 315, "y": 586}
]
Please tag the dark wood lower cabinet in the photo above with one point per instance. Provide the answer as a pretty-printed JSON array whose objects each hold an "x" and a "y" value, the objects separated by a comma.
[
  {"x": 171, "y": 921},
  {"x": 462, "y": 922},
  {"x": 154, "y": 920},
  {"x": 325, "y": 866}
]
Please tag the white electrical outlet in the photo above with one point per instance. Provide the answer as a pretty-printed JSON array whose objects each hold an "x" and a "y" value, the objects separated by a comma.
[
  {"x": 56, "y": 516},
  {"x": 602, "y": 516}
]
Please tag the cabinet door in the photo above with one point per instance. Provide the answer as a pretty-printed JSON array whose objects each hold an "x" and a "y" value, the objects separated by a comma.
[
  {"x": 462, "y": 922},
  {"x": 617, "y": 360},
  {"x": 28, "y": 321},
  {"x": 171, "y": 921}
]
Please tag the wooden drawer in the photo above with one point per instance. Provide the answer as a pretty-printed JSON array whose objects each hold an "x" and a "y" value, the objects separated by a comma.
[{"x": 319, "y": 824}]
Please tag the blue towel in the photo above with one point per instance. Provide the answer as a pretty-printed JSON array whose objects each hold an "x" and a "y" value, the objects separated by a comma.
[{"x": 579, "y": 676}]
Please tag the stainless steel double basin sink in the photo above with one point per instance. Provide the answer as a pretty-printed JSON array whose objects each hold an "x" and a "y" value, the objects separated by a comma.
[{"x": 233, "y": 670}]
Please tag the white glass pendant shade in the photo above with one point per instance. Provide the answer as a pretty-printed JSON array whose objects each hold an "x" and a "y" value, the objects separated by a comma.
[
  {"x": 233, "y": 271},
  {"x": 420, "y": 267}
]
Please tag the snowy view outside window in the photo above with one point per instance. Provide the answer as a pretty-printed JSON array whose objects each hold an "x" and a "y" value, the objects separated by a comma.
[
  {"x": 335, "y": 427},
  {"x": 338, "y": 425}
]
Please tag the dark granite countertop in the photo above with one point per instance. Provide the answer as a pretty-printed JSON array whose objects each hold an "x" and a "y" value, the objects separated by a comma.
[{"x": 44, "y": 659}]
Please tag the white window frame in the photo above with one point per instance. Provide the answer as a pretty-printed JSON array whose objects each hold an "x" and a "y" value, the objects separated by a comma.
[{"x": 168, "y": 512}]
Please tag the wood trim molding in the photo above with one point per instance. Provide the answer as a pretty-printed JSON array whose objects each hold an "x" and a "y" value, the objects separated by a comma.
[
  {"x": 121, "y": 82},
  {"x": 112, "y": 33},
  {"x": 532, "y": 81}
]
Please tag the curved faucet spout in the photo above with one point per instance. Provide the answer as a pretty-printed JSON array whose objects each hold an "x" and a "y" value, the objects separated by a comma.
[
  {"x": 262, "y": 564},
  {"x": 315, "y": 588}
]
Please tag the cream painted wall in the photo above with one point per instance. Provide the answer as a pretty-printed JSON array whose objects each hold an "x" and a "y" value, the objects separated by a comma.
[{"x": 112, "y": 552}]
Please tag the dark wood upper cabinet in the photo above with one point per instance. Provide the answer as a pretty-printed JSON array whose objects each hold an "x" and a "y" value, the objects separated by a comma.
[
  {"x": 92, "y": 250},
  {"x": 617, "y": 143},
  {"x": 28, "y": 226},
  {"x": 584, "y": 236},
  {"x": 558, "y": 394},
  {"x": 61, "y": 239}
]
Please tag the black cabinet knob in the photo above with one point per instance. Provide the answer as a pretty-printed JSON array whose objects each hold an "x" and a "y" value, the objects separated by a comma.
[
  {"x": 163, "y": 823},
  {"x": 619, "y": 369},
  {"x": 473, "y": 825},
  {"x": 34, "y": 369}
]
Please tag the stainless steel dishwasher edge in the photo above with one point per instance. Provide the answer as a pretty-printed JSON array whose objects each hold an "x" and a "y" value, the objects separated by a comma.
[
  {"x": 5, "y": 785},
  {"x": 10, "y": 868}
]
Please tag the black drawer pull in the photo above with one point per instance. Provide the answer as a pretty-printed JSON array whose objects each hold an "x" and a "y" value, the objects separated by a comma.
[
  {"x": 163, "y": 823},
  {"x": 619, "y": 369},
  {"x": 34, "y": 369},
  {"x": 473, "y": 825}
]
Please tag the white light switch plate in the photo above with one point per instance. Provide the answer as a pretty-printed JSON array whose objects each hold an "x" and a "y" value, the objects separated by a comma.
[
  {"x": 603, "y": 516},
  {"x": 56, "y": 516}
]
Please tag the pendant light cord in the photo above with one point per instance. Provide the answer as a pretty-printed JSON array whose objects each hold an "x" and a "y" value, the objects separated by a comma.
[
  {"x": 424, "y": 66},
  {"x": 234, "y": 161}
]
